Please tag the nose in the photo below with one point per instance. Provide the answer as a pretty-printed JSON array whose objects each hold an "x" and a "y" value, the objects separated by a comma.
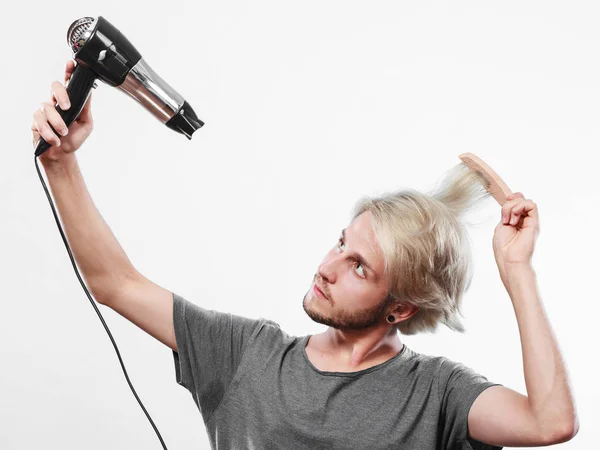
[{"x": 326, "y": 270}]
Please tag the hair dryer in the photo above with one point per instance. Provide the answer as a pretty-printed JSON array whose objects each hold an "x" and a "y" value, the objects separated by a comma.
[{"x": 101, "y": 51}]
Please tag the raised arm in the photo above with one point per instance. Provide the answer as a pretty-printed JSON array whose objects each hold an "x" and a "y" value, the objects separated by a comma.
[{"x": 106, "y": 269}]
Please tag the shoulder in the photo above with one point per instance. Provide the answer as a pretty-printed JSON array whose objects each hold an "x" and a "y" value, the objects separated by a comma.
[
  {"x": 423, "y": 363},
  {"x": 449, "y": 369},
  {"x": 441, "y": 369},
  {"x": 269, "y": 336}
]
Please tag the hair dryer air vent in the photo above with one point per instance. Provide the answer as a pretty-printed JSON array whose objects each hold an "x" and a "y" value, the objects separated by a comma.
[{"x": 77, "y": 34}]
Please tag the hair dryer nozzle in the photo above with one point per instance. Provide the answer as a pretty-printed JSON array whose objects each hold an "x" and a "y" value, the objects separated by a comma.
[{"x": 185, "y": 121}]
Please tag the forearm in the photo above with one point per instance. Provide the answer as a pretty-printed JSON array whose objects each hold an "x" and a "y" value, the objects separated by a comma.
[
  {"x": 550, "y": 396},
  {"x": 99, "y": 257}
]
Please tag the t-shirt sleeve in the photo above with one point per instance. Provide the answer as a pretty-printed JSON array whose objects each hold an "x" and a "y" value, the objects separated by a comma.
[
  {"x": 459, "y": 387},
  {"x": 210, "y": 346}
]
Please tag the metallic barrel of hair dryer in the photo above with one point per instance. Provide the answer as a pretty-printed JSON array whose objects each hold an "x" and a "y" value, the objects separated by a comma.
[
  {"x": 99, "y": 45},
  {"x": 101, "y": 51}
]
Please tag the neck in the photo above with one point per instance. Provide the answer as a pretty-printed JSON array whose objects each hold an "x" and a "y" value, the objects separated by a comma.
[{"x": 355, "y": 348}]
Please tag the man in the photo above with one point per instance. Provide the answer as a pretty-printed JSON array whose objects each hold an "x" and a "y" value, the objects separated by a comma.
[{"x": 400, "y": 265}]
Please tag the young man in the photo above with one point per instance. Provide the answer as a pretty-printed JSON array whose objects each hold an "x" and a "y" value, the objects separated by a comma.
[{"x": 401, "y": 265}]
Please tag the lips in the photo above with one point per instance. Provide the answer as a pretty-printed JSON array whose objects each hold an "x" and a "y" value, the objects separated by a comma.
[{"x": 321, "y": 291}]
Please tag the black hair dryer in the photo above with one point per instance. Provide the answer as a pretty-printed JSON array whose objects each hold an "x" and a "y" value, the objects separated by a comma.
[{"x": 101, "y": 51}]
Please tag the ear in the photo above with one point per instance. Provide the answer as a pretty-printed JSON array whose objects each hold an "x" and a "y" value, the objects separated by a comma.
[{"x": 405, "y": 311}]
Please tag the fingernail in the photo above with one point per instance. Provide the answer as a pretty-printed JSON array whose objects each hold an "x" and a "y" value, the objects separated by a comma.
[
  {"x": 58, "y": 144},
  {"x": 513, "y": 220},
  {"x": 66, "y": 105},
  {"x": 64, "y": 131}
]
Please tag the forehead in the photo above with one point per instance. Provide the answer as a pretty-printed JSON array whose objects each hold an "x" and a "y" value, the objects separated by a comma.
[{"x": 361, "y": 239}]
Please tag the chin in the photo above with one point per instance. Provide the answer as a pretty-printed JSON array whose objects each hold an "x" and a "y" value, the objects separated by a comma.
[{"x": 315, "y": 315}]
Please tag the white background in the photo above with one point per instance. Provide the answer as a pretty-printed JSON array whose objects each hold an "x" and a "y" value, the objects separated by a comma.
[{"x": 308, "y": 106}]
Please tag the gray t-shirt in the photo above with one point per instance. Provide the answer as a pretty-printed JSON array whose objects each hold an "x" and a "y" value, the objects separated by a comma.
[{"x": 256, "y": 389}]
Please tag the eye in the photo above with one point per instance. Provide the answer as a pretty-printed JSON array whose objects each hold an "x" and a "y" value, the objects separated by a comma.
[
  {"x": 357, "y": 263},
  {"x": 361, "y": 268}
]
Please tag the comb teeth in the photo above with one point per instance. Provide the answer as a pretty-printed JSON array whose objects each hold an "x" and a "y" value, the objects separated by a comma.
[{"x": 495, "y": 185}]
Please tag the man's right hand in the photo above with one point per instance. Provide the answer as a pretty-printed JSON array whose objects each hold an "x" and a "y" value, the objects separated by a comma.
[{"x": 78, "y": 131}]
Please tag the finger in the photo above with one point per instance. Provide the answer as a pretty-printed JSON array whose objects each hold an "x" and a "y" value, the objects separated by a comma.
[
  {"x": 41, "y": 125},
  {"x": 522, "y": 207},
  {"x": 69, "y": 69},
  {"x": 34, "y": 130},
  {"x": 60, "y": 95},
  {"x": 507, "y": 207},
  {"x": 513, "y": 217},
  {"x": 516, "y": 211},
  {"x": 527, "y": 208},
  {"x": 54, "y": 118}
]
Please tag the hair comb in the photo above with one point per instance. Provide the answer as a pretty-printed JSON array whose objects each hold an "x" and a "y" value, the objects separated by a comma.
[{"x": 495, "y": 185}]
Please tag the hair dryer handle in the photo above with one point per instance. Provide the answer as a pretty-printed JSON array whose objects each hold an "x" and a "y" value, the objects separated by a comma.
[{"x": 79, "y": 88}]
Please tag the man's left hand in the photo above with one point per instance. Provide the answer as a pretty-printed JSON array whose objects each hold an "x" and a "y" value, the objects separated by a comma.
[{"x": 515, "y": 235}]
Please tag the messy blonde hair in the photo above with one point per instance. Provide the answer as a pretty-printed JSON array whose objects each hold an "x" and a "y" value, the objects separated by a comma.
[{"x": 426, "y": 247}]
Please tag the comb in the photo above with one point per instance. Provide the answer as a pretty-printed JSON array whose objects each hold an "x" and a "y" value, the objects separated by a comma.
[{"x": 495, "y": 186}]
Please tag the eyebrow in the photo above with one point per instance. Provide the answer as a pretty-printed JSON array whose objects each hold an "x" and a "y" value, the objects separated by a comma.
[{"x": 359, "y": 257}]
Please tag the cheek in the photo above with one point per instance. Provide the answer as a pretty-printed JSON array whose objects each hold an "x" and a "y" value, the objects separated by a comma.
[{"x": 352, "y": 285}]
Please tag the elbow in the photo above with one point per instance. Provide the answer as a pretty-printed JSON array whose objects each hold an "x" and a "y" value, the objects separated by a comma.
[{"x": 563, "y": 433}]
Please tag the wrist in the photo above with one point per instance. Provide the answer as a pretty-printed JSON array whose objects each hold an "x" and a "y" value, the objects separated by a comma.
[
  {"x": 518, "y": 267},
  {"x": 517, "y": 274},
  {"x": 509, "y": 271},
  {"x": 65, "y": 161}
]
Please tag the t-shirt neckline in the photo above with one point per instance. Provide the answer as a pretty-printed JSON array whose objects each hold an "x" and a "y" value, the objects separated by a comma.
[{"x": 304, "y": 343}]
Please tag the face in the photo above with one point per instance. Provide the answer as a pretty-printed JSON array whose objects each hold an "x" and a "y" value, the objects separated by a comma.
[{"x": 351, "y": 277}]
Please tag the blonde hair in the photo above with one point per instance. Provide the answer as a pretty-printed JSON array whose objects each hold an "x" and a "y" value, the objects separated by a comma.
[{"x": 426, "y": 247}]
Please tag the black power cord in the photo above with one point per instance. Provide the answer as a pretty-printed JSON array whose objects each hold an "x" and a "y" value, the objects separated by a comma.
[{"x": 92, "y": 301}]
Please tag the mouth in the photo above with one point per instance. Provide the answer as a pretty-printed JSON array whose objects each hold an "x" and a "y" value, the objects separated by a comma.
[{"x": 319, "y": 292}]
